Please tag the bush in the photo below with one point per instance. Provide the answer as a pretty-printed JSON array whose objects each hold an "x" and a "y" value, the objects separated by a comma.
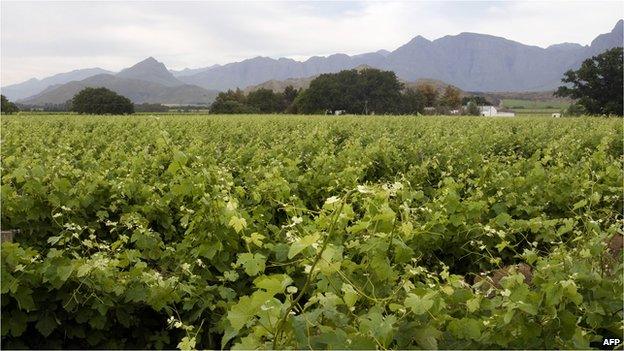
[
  {"x": 472, "y": 109},
  {"x": 575, "y": 110},
  {"x": 99, "y": 101},
  {"x": 7, "y": 106},
  {"x": 231, "y": 107},
  {"x": 145, "y": 107}
]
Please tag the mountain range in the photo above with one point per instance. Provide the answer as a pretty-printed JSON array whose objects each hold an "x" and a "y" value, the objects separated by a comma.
[
  {"x": 148, "y": 81},
  {"x": 470, "y": 61},
  {"x": 473, "y": 62}
]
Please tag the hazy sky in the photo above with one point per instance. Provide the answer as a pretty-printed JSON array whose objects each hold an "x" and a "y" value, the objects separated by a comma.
[{"x": 39, "y": 39}]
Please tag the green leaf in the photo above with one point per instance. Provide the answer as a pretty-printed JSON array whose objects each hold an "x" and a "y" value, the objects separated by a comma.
[
  {"x": 252, "y": 263},
  {"x": 64, "y": 272},
  {"x": 417, "y": 304},
  {"x": 473, "y": 304},
  {"x": 466, "y": 328},
  {"x": 273, "y": 284},
  {"x": 302, "y": 244},
  {"x": 350, "y": 295},
  {"x": 530, "y": 256},
  {"x": 23, "y": 295},
  {"x": 246, "y": 309},
  {"x": 230, "y": 275},
  {"x": 580, "y": 204},
  {"x": 241, "y": 313},
  {"x": 17, "y": 322},
  {"x": 427, "y": 337},
  {"x": 187, "y": 343},
  {"x": 20, "y": 174},
  {"x": 83, "y": 270},
  {"x": 238, "y": 223},
  {"x": 53, "y": 240},
  {"x": 136, "y": 293},
  {"x": 255, "y": 238},
  {"x": 46, "y": 324}
]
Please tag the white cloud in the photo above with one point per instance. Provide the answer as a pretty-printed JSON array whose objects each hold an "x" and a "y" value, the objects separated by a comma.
[{"x": 44, "y": 38}]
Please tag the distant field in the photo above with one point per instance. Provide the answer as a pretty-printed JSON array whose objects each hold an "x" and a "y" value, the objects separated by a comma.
[
  {"x": 535, "y": 107},
  {"x": 310, "y": 232}
]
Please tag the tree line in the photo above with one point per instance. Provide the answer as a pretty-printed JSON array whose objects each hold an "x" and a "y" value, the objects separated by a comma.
[{"x": 364, "y": 91}]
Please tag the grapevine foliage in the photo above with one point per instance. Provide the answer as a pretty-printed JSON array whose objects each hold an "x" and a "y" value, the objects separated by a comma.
[{"x": 310, "y": 232}]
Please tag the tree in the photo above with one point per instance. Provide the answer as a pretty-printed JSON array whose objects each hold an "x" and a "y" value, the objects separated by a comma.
[
  {"x": 412, "y": 102},
  {"x": 597, "y": 84},
  {"x": 7, "y": 106},
  {"x": 100, "y": 101},
  {"x": 232, "y": 95},
  {"x": 451, "y": 98},
  {"x": 429, "y": 93},
  {"x": 354, "y": 91},
  {"x": 231, "y": 102},
  {"x": 231, "y": 107},
  {"x": 265, "y": 101},
  {"x": 478, "y": 100},
  {"x": 289, "y": 95},
  {"x": 472, "y": 109}
]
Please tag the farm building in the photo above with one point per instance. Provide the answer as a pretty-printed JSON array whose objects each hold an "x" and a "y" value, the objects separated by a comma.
[
  {"x": 491, "y": 111},
  {"x": 488, "y": 111}
]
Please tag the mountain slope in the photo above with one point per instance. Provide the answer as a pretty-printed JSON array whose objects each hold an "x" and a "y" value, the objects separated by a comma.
[
  {"x": 139, "y": 91},
  {"x": 150, "y": 70},
  {"x": 190, "y": 71},
  {"x": 608, "y": 40},
  {"x": 35, "y": 86}
]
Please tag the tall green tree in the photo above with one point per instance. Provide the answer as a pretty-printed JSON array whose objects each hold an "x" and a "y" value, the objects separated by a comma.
[
  {"x": 7, "y": 106},
  {"x": 231, "y": 107},
  {"x": 412, "y": 102},
  {"x": 354, "y": 91},
  {"x": 597, "y": 84},
  {"x": 265, "y": 101},
  {"x": 101, "y": 101},
  {"x": 231, "y": 102},
  {"x": 231, "y": 95},
  {"x": 288, "y": 98}
]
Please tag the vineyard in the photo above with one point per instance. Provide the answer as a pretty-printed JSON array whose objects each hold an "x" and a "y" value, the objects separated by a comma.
[{"x": 300, "y": 232}]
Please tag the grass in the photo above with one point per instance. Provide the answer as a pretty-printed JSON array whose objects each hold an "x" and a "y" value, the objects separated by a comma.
[{"x": 533, "y": 107}]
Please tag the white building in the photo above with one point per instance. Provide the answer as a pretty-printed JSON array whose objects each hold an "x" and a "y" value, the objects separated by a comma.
[{"x": 490, "y": 111}]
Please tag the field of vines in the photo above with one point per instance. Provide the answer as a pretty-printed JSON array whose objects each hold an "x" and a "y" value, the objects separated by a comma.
[{"x": 301, "y": 232}]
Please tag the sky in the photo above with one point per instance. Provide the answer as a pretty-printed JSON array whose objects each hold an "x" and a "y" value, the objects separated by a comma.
[{"x": 39, "y": 39}]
